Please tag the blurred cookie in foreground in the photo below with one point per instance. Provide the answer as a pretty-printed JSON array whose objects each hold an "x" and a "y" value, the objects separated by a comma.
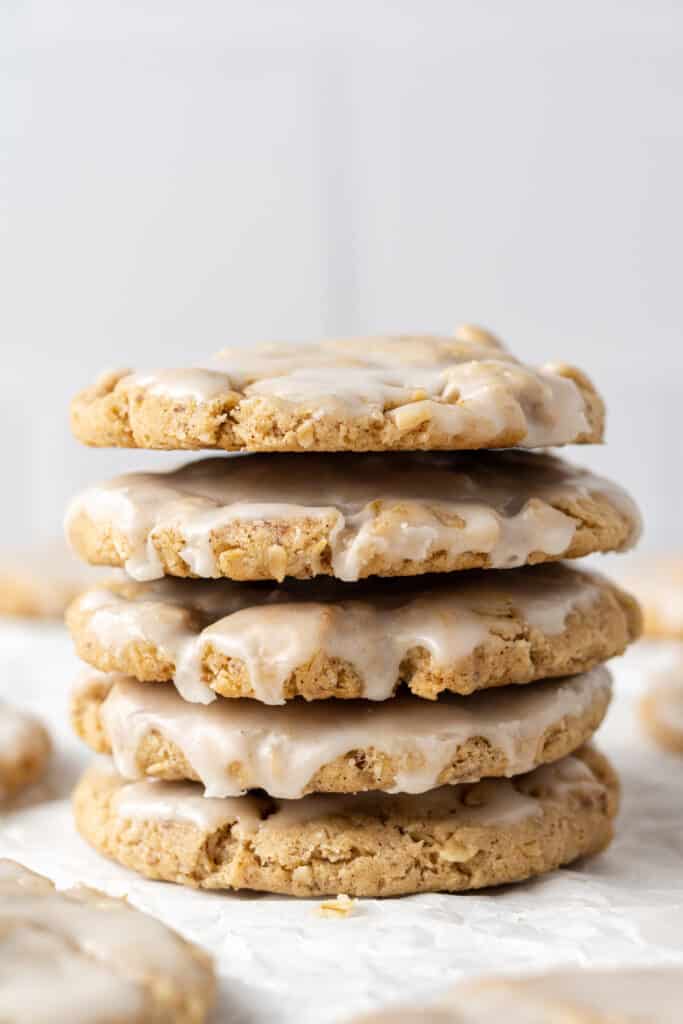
[
  {"x": 661, "y": 709},
  {"x": 39, "y": 581},
  {"x": 658, "y": 586},
  {"x": 24, "y": 750},
  {"x": 78, "y": 955},
  {"x": 568, "y": 996}
]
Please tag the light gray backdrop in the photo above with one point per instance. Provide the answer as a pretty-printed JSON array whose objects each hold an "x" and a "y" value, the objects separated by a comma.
[{"x": 179, "y": 176}]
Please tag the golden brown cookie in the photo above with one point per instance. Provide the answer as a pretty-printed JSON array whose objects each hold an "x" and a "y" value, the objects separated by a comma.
[
  {"x": 350, "y": 516},
  {"x": 24, "y": 750},
  {"x": 361, "y": 394},
  {"x": 634, "y": 995},
  {"x": 317, "y": 640},
  {"x": 78, "y": 955},
  {"x": 661, "y": 709},
  {"x": 405, "y": 745},
  {"x": 452, "y": 839}
]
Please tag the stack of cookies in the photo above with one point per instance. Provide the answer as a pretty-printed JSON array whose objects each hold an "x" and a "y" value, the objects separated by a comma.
[{"x": 348, "y": 659}]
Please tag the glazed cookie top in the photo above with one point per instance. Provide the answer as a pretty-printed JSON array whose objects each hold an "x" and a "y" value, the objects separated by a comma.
[
  {"x": 410, "y": 745},
  {"x": 324, "y": 639},
  {"x": 80, "y": 956},
  {"x": 267, "y": 517},
  {"x": 570, "y": 996},
  {"x": 359, "y": 394}
]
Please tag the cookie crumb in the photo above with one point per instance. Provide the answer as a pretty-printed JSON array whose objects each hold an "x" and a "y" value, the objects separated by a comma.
[{"x": 341, "y": 906}]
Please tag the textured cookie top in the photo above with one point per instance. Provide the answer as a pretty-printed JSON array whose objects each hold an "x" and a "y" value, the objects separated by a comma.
[
  {"x": 651, "y": 995},
  {"x": 405, "y": 745},
  {"x": 267, "y": 517},
  {"x": 24, "y": 750},
  {"x": 82, "y": 957},
  {"x": 368, "y": 844},
  {"x": 322, "y": 639},
  {"x": 359, "y": 394}
]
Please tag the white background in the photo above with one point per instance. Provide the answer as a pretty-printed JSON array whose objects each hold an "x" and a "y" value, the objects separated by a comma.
[{"x": 179, "y": 176}]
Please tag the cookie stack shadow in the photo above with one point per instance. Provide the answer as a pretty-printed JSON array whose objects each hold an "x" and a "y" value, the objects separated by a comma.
[{"x": 347, "y": 658}]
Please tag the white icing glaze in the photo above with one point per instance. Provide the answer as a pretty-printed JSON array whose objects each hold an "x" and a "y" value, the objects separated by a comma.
[
  {"x": 496, "y": 802},
  {"x": 407, "y": 506},
  {"x": 275, "y": 631},
  {"x": 183, "y": 802},
  {"x": 280, "y": 750},
  {"x": 617, "y": 996},
  {"x": 45, "y": 980},
  {"x": 66, "y": 955},
  {"x": 463, "y": 386}
]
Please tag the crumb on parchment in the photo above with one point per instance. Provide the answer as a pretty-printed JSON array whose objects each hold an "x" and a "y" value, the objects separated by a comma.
[{"x": 341, "y": 906}]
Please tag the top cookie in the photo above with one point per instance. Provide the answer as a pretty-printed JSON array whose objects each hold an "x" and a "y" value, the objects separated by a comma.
[
  {"x": 359, "y": 394},
  {"x": 80, "y": 956}
]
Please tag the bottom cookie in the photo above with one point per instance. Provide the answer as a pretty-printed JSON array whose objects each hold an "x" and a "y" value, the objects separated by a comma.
[
  {"x": 661, "y": 709},
  {"x": 451, "y": 839}
]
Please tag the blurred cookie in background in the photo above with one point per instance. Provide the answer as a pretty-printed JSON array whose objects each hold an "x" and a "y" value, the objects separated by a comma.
[
  {"x": 38, "y": 581},
  {"x": 661, "y": 709},
  {"x": 25, "y": 749},
  {"x": 658, "y": 585},
  {"x": 79, "y": 955}
]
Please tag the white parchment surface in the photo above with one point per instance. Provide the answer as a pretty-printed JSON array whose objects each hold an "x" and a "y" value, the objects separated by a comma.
[{"x": 280, "y": 962}]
